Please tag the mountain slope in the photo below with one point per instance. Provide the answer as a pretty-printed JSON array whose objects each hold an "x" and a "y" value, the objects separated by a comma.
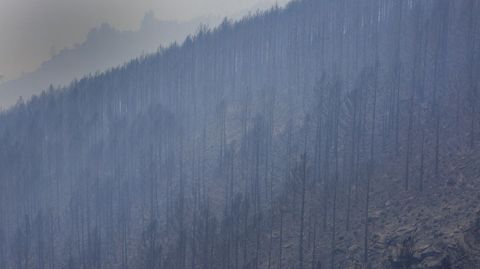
[{"x": 338, "y": 134}]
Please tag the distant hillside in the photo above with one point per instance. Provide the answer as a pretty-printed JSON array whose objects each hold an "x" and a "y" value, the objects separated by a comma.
[
  {"x": 326, "y": 134},
  {"x": 105, "y": 47}
]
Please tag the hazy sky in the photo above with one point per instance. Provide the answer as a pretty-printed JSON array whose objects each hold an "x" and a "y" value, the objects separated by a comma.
[{"x": 31, "y": 30}]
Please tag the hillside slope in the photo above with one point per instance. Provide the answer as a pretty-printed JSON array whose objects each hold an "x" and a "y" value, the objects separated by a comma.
[{"x": 326, "y": 134}]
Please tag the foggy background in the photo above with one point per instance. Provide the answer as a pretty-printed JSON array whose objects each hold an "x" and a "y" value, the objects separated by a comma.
[{"x": 54, "y": 41}]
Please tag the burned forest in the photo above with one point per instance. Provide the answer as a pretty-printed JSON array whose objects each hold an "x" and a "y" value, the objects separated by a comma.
[{"x": 323, "y": 134}]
